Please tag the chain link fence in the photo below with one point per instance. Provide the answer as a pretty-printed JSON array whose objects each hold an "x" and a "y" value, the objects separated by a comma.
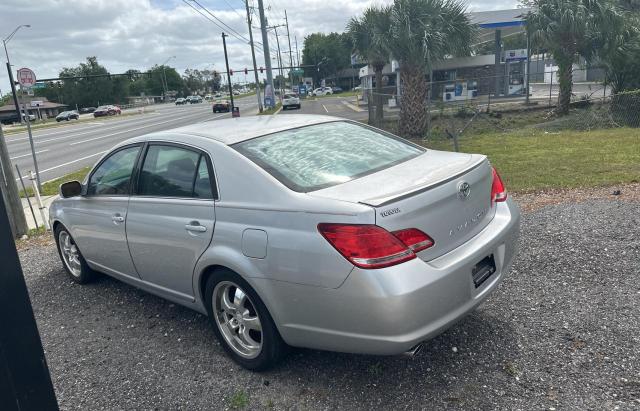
[{"x": 470, "y": 106}]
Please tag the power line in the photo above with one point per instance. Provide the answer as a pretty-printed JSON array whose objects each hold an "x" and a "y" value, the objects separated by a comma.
[
  {"x": 234, "y": 10},
  {"x": 229, "y": 28}
]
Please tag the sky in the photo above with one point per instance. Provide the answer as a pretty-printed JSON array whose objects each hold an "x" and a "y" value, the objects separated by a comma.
[{"x": 137, "y": 34}]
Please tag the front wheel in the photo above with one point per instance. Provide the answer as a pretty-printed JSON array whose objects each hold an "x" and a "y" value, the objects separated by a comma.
[
  {"x": 72, "y": 260},
  {"x": 242, "y": 323}
]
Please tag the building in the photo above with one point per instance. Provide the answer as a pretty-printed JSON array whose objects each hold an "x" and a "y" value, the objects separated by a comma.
[
  {"x": 40, "y": 107},
  {"x": 502, "y": 73}
]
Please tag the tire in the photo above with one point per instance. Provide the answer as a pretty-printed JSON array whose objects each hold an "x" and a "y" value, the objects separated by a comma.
[
  {"x": 272, "y": 348},
  {"x": 80, "y": 273},
  {"x": 298, "y": 106}
]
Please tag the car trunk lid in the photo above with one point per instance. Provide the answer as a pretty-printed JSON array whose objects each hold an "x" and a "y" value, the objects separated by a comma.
[{"x": 427, "y": 193}]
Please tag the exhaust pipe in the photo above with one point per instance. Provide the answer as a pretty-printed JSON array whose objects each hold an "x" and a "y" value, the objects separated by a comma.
[{"x": 415, "y": 350}]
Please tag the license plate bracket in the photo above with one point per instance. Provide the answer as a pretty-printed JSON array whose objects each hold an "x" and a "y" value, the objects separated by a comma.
[{"x": 483, "y": 270}]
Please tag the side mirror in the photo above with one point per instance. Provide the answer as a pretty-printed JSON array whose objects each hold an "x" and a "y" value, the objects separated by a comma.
[{"x": 70, "y": 189}]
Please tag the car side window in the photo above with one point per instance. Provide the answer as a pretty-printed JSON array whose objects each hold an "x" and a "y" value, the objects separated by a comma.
[
  {"x": 170, "y": 171},
  {"x": 113, "y": 175}
]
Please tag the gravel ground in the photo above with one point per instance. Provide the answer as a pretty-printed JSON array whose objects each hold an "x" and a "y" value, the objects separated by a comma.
[{"x": 561, "y": 332}]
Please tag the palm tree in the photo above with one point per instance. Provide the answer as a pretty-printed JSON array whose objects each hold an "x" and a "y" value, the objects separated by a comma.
[
  {"x": 421, "y": 33},
  {"x": 570, "y": 29},
  {"x": 367, "y": 35}
]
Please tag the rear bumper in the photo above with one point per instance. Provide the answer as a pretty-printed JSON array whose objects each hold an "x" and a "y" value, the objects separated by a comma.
[{"x": 390, "y": 310}]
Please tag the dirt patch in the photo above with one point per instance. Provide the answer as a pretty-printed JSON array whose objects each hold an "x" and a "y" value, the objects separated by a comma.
[{"x": 533, "y": 201}]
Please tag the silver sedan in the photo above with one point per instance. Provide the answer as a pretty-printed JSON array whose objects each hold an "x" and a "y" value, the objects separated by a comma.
[{"x": 305, "y": 231}]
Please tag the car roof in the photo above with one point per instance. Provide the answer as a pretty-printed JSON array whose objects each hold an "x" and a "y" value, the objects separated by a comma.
[{"x": 234, "y": 130}]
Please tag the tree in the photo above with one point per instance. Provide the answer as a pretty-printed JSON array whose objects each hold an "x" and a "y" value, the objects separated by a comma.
[
  {"x": 85, "y": 90},
  {"x": 422, "y": 32},
  {"x": 367, "y": 35},
  {"x": 327, "y": 53},
  {"x": 570, "y": 29}
]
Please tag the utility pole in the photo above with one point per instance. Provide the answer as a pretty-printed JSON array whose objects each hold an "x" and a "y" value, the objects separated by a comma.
[
  {"x": 279, "y": 60},
  {"x": 253, "y": 56},
  {"x": 297, "y": 52},
  {"x": 226, "y": 61},
  {"x": 286, "y": 19},
  {"x": 10, "y": 196},
  {"x": 268, "y": 91}
]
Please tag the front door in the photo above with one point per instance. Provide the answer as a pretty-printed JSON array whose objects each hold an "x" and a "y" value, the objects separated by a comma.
[
  {"x": 171, "y": 217},
  {"x": 98, "y": 217}
]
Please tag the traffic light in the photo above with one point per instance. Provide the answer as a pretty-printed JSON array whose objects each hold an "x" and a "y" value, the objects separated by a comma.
[
  {"x": 231, "y": 72},
  {"x": 246, "y": 71},
  {"x": 215, "y": 73},
  {"x": 261, "y": 70}
]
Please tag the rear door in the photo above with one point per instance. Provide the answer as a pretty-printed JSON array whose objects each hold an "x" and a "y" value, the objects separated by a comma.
[{"x": 171, "y": 217}]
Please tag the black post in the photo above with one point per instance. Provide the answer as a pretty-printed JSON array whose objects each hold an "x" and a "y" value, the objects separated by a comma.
[
  {"x": 25, "y": 383},
  {"x": 226, "y": 61},
  {"x": 13, "y": 91}
]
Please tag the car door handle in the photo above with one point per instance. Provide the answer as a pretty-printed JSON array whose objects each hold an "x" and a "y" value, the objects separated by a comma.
[
  {"x": 195, "y": 226},
  {"x": 117, "y": 218}
]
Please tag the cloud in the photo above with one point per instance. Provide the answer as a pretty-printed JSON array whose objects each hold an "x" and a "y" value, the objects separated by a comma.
[{"x": 137, "y": 34}]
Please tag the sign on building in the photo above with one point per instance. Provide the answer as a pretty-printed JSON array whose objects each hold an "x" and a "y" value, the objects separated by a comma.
[{"x": 515, "y": 55}]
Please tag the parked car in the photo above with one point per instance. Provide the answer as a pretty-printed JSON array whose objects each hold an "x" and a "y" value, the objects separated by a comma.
[
  {"x": 14, "y": 118},
  {"x": 208, "y": 97},
  {"x": 222, "y": 106},
  {"x": 217, "y": 95},
  {"x": 236, "y": 92},
  {"x": 180, "y": 101},
  {"x": 67, "y": 115},
  {"x": 103, "y": 111},
  {"x": 285, "y": 231},
  {"x": 322, "y": 91},
  {"x": 336, "y": 90},
  {"x": 86, "y": 110},
  {"x": 290, "y": 101},
  {"x": 117, "y": 109}
]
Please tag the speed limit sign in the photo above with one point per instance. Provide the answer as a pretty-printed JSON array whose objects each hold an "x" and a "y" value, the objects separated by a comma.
[{"x": 26, "y": 77}]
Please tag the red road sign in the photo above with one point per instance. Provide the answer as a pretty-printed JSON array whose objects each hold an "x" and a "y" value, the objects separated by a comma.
[{"x": 26, "y": 77}]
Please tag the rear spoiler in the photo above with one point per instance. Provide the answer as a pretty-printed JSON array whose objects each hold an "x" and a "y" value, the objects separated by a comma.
[{"x": 383, "y": 201}]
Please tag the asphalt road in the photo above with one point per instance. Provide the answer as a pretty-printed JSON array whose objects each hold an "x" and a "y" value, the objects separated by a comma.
[
  {"x": 560, "y": 332},
  {"x": 330, "y": 106},
  {"x": 64, "y": 149}
]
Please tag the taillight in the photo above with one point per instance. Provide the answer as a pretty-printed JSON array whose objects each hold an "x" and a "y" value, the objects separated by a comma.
[
  {"x": 415, "y": 239},
  {"x": 366, "y": 246},
  {"x": 498, "y": 190}
]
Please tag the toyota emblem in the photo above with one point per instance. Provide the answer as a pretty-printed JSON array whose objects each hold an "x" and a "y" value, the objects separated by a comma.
[{"x": 464, "y": 189}]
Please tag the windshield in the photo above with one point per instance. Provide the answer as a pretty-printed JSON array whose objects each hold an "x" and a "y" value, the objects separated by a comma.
[{"x": 319, "y": 156}]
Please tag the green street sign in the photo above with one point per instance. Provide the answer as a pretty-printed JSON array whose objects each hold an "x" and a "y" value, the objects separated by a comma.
[
  {"x": 40, "y": 85},
  {"x": 297, "y": 72}
]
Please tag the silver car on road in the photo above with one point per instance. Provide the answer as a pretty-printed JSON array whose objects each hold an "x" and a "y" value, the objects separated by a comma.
[{"x": 306, "y": 231}]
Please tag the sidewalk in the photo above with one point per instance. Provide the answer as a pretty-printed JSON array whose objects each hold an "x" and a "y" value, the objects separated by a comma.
[{"x": 46, "y": 202}]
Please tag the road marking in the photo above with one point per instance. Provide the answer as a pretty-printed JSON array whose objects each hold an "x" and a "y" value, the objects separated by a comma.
[
  {"x": 69, "y": 162},
  {"x": 126, "y": 131},
  {"x": 28, "y": 154},
  {"x": 74, "y": 161},
  {"x": 325, "y": 108},
  {"x": 352, "y": 106}
]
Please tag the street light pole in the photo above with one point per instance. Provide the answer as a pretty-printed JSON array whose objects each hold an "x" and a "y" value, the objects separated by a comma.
[
  {"x": 13, "y": 84},
  {"x": 226, "y": 62}
]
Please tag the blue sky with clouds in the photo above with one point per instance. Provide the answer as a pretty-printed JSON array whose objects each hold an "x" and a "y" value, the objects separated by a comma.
[{"x": 137, "y": 34}]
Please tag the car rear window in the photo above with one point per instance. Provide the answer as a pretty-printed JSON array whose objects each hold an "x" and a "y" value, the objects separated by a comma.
[{"x": 319, "y": 156}]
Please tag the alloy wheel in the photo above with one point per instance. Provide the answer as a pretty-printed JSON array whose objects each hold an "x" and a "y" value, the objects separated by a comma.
[
  {"x": 237, "y": 319},
  {"x": 70, "y": 253}
]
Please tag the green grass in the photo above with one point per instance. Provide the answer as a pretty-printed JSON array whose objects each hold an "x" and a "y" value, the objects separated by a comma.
[
  {"x": 51, "y": 187},
  {"x": 271, "y": 110},
  {"x": 533, "y": 160},
  {"x": 350, "y": 93},
  {"x": 239, "y": 400}
]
